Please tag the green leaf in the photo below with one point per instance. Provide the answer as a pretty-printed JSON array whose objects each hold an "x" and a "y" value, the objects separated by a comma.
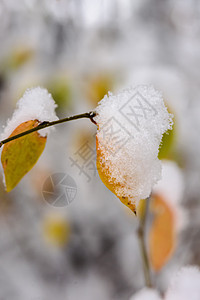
[
  {"x": 20, "y": 155},
  {"x": 166, "y": 150},
  {"x": 168, "y": 139}
]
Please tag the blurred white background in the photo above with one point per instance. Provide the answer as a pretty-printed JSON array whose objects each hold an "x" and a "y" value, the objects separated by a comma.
[{"x": 80, "y": 50}]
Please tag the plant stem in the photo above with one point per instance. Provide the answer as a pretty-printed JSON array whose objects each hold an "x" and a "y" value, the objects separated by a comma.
[
  {"x": 143, "y": 249},
  {"x": 89, "y": 115}
]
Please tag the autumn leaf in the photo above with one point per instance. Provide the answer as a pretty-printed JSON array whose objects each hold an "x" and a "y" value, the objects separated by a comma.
[
  {"x": 141, "y": 208},
  {"x": 56, "y": 230},
  {"x": 20, "y": 155},
  {"x": 127, "y": 148},
  {"x": 99, "y": 86},
  {"x": 162, "y": 237}
]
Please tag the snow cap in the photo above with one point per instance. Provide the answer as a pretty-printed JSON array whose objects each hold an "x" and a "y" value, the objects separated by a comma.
[
  {"x": 130, "y": 129},
  {"x": 36, "y": 104}
]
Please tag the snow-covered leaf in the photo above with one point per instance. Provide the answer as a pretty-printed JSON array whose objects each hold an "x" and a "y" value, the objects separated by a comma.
[
  {"x": 130, "y": 128},
  {"x": 110, "y": 182}
]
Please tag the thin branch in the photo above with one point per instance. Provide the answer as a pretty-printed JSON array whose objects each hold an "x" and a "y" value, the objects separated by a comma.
[
  {"x": 143, "y": 249},
  {"x": 89, "y": 115}
]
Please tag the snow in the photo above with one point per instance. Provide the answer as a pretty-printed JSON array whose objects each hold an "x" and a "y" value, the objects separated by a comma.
[
  {"x": 146, "y": 294},
  {"x": 130, "y": 129},
  {"x": 171, "y": 183},
  {"x": 171, "y": 189},
  {"x": 36, "y": 104},
  {"x": 185, "y": 285}
]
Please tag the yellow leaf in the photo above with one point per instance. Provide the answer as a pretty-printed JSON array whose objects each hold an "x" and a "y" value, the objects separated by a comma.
[
  {"x": 56, "y": 230},
  {"x": 162, "y": 237},
  {"x": 20, "y": 155},
  {"x": 21, "y": 55},
  {"x": 111, "y": 183},
  {"x": 141, "y": 208},
  {"x": 99, "y": 86}
]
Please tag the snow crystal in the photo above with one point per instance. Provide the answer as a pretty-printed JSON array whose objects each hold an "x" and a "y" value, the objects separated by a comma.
[
  {"x": 130, "y": 129},
  {"x": 36, "y": 104},
  {"x": 185, "y": 285},
  {"x": 146, "y": 294}
]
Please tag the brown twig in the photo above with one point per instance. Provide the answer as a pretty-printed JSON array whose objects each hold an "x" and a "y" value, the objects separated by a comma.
[
  {"x": 143, "y": 249},
  {"x": 89, "y": 115}
]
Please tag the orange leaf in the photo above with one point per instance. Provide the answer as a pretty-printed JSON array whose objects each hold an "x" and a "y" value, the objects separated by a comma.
[{"x": 162, "y": 238}]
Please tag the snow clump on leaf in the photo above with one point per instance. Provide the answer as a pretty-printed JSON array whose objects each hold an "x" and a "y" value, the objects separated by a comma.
[{"x": 36, "y": 104}]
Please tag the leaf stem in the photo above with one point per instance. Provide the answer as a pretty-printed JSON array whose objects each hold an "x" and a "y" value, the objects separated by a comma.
[
  {"x": 90, "y": 115},
  {"x": 143, "y": 249}
]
